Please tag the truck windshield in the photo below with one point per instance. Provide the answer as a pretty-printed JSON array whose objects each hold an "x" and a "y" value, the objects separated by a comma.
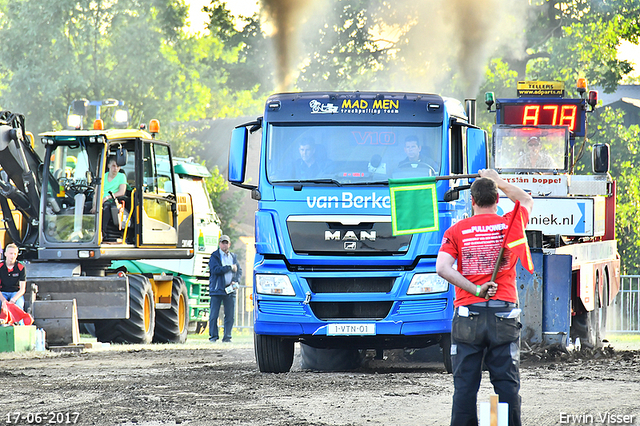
[
  {"x": 348, "y": 154},
  {"x": 530, "y": 149}
]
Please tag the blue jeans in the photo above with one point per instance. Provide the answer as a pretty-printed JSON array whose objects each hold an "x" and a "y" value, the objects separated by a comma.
[
  {"x": 9, "y": 294},
  {"x": 229, "y": 302},
  {"x": 485, "y": 332}
]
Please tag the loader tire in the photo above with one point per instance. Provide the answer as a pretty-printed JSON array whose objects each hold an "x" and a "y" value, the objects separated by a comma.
[
  {"x": 141, "y": 323},
  {"x": 172, "y": 325}
]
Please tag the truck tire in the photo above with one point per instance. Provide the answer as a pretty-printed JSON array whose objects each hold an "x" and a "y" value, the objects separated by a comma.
[
  {"x": 586, "y": 326},
  {"x": 172, "y": 324},
  {"x": 445, "y": 345},
  {"x": 329, "y": 359},
  {"x": 604, "y": 308},
  {"x": 274, "y": 354},
  {"x": 141, "y": 323}
]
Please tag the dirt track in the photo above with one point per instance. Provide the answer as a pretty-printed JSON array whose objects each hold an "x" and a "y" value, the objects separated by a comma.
[{"x": 218, "y": 384}]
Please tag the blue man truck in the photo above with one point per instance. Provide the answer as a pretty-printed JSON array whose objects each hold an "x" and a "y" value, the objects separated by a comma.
[{"x": 329, "y": 273}]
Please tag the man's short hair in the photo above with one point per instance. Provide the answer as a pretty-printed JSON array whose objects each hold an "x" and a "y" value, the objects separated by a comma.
[
  {"x": 11, "y": 245},
  {"x": 412, "y": 138},
  {"x": 484, "y": 192},
  {"x": 307, "y": 141}
]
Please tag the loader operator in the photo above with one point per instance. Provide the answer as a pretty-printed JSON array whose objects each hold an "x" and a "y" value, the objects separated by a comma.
[{"x": 114, "y": 183}]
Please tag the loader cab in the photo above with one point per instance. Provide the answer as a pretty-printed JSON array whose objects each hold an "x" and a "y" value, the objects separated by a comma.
[{"x": 76, "y": 169}]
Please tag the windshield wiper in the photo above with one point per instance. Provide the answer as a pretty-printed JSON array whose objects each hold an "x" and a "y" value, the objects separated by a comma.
[{"x": 333, "y": 181}]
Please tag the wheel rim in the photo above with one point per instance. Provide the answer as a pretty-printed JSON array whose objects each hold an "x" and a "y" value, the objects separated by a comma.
[
  {"x": 147, "y": 313},
  {"x": 181, "y": 314}
]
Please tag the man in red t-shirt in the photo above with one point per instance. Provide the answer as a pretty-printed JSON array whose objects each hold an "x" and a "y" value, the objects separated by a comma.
[
  {"x": 13, "y": 281},
  {"x": 486, "y": 317}
]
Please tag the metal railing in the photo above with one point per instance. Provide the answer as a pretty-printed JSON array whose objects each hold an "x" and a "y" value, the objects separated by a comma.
[
  {"x": 243, "y": 309},
  {"x": 623, "y": 314}
]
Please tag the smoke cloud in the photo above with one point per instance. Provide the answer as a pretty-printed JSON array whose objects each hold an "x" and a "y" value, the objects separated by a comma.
[
  {"x": 286, "y": 17},
  {"x": 445, "y": 43}
]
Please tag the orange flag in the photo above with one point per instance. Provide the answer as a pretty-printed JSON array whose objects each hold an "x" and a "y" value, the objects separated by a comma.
[{"x": 515, "y": 238}]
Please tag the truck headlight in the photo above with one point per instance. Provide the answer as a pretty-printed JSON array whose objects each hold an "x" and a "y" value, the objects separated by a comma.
[
  {"x": 427, "y": 283},
  {"x": 279, "y": 285}
]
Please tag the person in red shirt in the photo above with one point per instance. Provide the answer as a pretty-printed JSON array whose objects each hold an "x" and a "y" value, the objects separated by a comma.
[
  {"x": 486, "y": 319},
  {"x": 13, "y": 280}
]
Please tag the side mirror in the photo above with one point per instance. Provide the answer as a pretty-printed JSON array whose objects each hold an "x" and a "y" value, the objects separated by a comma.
[
  {"x": 79, "y": 107},
  {"x": 121, "y": 156},
  {"x": 600, "y": 158},
  {"x": 454, "y": 193},
  {"x": 238, "y": 155},
  {"x": 476, "y": 149}
]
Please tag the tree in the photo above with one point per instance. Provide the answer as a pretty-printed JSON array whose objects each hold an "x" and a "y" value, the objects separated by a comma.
[
  {"x": 243, "y": 76},
  {"x": 226, "y": 205},
  {"x": 608, "y": 127},
  {"x": 342, "y": 50},
  {"x": 55, "y": 52}
]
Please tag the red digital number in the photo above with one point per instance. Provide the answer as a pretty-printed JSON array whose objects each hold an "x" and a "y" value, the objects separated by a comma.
[
  {"x": 533, "y": 116},
  {"x": 568, "y": 116}
]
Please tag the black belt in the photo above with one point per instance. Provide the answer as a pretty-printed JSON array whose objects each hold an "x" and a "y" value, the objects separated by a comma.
[{"x": 495, "y": 304}]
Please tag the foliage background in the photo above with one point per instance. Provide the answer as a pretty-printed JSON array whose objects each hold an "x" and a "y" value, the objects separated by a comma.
[{"x": 141, "y": 51}]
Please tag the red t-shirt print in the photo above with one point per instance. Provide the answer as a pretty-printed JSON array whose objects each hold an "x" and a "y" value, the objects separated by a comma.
[{"x": 475, "y": 243}]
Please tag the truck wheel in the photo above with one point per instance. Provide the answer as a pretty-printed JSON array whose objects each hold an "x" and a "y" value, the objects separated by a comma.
[
  {"x": 329, "y": 359},
  {"x": 586, "y": 326},
  {"x": 172, "y": 324},
  {"x": 445, "y": 345},
  {"x": 274, "y": 354},
  {"x": 142, "y": 314},
  {"x": 604, "y": 308}
]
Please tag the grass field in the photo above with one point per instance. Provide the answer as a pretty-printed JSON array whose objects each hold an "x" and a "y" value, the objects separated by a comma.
[{"x": 623, "y": 342}]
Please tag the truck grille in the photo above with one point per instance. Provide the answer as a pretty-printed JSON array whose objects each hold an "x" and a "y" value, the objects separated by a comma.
[
  {"x": 373, "y": 236},
  {"x": 204, "y": 266},
  {"x": 351, "y": 285},
  {"x": 351, "y": 310}
]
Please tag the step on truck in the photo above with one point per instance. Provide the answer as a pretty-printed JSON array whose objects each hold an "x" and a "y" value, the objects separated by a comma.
[
  {"x": 47, "y": 207},
  {"x": 329, "y": 273}
]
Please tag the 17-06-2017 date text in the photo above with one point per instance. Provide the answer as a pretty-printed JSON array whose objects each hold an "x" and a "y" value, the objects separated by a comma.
[{"x": 44, "y": 418}]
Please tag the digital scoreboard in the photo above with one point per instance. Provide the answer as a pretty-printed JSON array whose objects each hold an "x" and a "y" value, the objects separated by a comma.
[{"x": 544, "y": 111}]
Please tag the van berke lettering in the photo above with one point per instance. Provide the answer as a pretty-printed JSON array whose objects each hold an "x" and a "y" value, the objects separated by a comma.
[{"x": 348, "y": 200}]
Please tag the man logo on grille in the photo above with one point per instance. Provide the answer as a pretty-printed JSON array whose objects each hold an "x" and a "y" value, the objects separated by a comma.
[{"x": 350, "y": 235}]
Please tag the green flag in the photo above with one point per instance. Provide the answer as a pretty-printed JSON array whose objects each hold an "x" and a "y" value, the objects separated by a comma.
[{"x": 414, "y": 205}]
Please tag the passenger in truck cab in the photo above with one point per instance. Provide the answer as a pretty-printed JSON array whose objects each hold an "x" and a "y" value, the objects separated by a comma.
[
  {"x": 414, "y": 158},
  {"x": 115, "y": 182},
  {"x": 533, "y": 157}
]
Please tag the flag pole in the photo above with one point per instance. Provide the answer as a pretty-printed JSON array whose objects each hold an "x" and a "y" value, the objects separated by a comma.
[
  {"x": 497, "y": 267},
  {"x": 453, "y": 177},
  {"x": 516, "y": 209}
]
